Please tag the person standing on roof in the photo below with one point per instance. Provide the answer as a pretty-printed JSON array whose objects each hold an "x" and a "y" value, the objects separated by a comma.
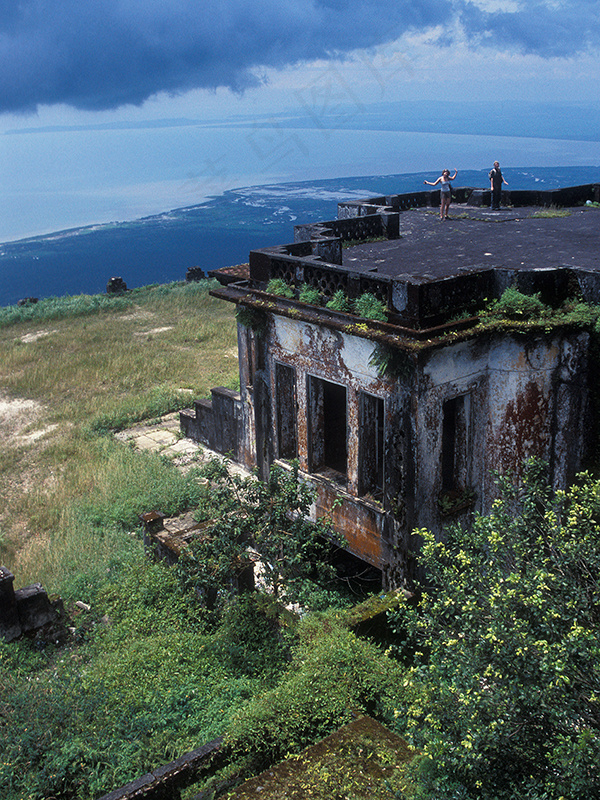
[
  {"x": 496, "y": 181},
  {"x": 445, "y": 191}
]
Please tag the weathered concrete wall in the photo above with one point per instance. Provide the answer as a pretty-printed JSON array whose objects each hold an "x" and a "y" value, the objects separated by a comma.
[
  {"x": 525, "y": 396},
  {"x": 457, "y": 371},
  {"x": 316, "y": 352},
  {"x": 513, "y": 396},
  {"x": 216, "y": 423},
  {"x": 414, "y": 451}
]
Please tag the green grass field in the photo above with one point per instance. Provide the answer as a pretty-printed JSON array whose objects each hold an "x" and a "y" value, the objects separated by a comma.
[
  {"x": 72, "y": 370},
  {"x": 148, "y": 672}
]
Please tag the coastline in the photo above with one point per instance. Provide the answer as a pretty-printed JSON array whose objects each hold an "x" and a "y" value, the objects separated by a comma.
[{"x": 218, "y": 232}]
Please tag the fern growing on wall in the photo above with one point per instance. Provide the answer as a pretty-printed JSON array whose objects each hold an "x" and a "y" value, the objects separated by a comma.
[
  {"x": 308, "y": 294},
  {"x": 280, "y": 287},
  {"x": 391, "y": 362}
]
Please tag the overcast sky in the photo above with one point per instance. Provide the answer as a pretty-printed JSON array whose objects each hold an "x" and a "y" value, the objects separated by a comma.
[{"x": 72, "y": 62}]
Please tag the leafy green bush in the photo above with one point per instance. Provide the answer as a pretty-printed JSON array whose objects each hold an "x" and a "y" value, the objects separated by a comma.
[
  {"x": 513, "y": 304},
  {"x": 252, "y": 638},
  {"x": 507, "y": 648},
  {"x": 368, "y": 306},
  {"x": 309, "y": 294},
  {"x": 270, "y": 517},
  {"x": 333, "y": 676},
  {"x": 279, "y": 287},
  {"x": 339, "y": 302}
]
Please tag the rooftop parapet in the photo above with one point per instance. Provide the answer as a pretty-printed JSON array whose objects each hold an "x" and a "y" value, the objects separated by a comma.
[
  {"x": 427, "y": 273},
  {"x": 567, "y": 196}
]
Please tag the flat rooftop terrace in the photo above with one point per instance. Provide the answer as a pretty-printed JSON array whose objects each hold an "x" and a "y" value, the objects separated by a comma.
[{"x": 475, "y": 238}]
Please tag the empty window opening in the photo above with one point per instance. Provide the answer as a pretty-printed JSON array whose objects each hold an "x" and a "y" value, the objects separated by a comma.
[
  {"x": 285, "y": 392},
  {"x": 454, "y": 444},
  {"x": 249, "y": 343},
  {"x": 371, "y": 444},
  {"x": 328, "y": 425}
]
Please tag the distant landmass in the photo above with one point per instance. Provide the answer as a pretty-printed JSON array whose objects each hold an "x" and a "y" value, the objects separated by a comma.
[{"x": 220, "y": 232}]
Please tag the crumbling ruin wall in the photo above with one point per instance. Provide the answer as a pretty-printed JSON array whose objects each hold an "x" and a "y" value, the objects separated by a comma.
[
  {"x": 388, "y": 454},
  {"x": 25, "y": 610},
  {"x": 492, "y": 402},
  {"x": 308, "y": 381}
]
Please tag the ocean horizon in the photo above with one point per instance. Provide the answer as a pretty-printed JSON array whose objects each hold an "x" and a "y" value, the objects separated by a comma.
[
  {"x": 60, "y": 178},
  {"x": 220, "y": 232},
  {"x": 145, "y": 203}
]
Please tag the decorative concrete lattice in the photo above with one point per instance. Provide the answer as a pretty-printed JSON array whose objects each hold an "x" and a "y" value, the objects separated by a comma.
[
  {"x": 326, "y": 281},
  {"x": 286, "y": 270},
  {"x": 379, "y": 289}
]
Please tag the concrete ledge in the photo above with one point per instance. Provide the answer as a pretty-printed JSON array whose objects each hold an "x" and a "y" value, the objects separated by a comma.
[{"x": 166, "y": 781}]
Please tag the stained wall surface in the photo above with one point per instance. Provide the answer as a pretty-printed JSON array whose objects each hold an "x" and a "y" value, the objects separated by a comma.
[{"x": 415, "y": 451}]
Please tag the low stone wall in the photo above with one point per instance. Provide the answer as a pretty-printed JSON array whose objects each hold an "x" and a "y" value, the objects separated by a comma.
[
  {"x": 383, "y": 223},
  {"x": 216, "y": 423},
  {"x": 481, "y": 197},
  {"x": 166, "y": 782}
]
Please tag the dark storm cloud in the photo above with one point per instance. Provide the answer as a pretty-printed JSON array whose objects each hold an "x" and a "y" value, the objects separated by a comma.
[
  {"x": 105, "y": 53},
  {"x": 548, "y": 28}
]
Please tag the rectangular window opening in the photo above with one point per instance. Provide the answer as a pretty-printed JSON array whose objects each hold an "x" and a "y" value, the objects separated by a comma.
[
  {"x": 454, "y": 444},
  {"x": 328, "y": 423},
  {"x": 286, "y": 412},
  {"x": 371, "y": 444}
]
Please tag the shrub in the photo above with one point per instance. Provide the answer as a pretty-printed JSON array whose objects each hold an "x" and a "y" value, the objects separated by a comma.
[
  {"x": 505, "y": 642},
  {"x": 368, "y": 306},
  {"x": 513, "y": 304},
  {"x": 309, "y": 294},
  {"x": 271, "y": 517},
  {"x": 279, "y": 287},
  {"x": 339, "y": 302},
  {"x": 333, "y": 676},
  {"x": 251, "y": 636}
]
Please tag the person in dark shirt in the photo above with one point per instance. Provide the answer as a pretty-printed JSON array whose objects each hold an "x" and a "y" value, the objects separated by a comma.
[{"x": 496, "y": 181}]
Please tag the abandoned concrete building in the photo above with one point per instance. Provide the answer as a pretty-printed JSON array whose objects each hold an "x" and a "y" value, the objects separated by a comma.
[{"x": 401, "y": 422}]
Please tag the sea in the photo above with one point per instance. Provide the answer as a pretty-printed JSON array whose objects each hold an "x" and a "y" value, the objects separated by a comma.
[{"x": 146, "y": 202}]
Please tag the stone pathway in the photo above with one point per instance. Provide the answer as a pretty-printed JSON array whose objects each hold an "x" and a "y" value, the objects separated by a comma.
[{"x": 164, "y": 436}]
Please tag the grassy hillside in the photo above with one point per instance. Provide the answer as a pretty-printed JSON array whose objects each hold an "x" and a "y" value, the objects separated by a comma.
[
  {"x": 493, "y": 675},
  {"x": 72, "y": 370},
  {"x": 148, "y": 672}
]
